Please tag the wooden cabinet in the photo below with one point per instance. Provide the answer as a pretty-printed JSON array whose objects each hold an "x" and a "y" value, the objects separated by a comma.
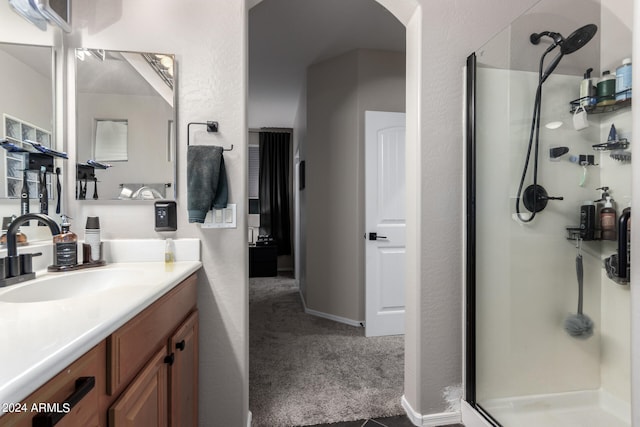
[
  {"x": 184, "y": 390},
  {"x": 153, "y": 364},
  {"x": 143, "y": 374},
  {"x": 144, "y": 402},
  {"x": 70, "y": 398}
]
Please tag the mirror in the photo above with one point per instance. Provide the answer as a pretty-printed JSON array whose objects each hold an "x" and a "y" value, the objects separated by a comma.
[
  {"x": 27, "y": 113},
  {"x": 125, "y": 103}
]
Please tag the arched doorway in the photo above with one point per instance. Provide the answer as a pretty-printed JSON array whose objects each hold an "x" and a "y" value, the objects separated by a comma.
[{"x": 407, "y": 12}]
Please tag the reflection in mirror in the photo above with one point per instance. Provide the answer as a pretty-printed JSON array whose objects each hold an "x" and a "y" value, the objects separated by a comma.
[
  {"x": 125, "y": 134},
  {"x": 27, "y": 113},
  {"x": 111, "y": 140}
]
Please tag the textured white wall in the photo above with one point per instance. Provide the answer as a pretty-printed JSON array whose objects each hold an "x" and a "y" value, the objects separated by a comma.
[{"x": 209, "y": 41}]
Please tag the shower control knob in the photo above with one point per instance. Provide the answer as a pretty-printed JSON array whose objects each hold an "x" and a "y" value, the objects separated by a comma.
[{"x": 535, "y": 198}]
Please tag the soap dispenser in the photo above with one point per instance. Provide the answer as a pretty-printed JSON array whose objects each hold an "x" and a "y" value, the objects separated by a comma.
[
  {"x": 608, "y": 220},
  {"x": 169, "y": 254},
  {"x": 65, "y": 246}
]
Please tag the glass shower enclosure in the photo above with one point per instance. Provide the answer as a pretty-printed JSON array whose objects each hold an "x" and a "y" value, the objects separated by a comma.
[{"x": 529, "y": 275}]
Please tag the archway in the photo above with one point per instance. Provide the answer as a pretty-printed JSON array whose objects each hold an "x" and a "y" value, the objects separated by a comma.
[{"x": 408, "y": 13}]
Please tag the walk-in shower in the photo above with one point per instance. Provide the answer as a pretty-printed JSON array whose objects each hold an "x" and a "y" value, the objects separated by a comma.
[
  {"x": 534, "y": 357},
  {"x": 535, "y": 197}
]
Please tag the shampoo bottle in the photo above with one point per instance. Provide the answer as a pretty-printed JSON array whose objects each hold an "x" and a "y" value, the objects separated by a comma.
[
  {"x": 65, "y": 246},
  {"x": 623, "y": 80},
  {"x": 608, "y": 220},
  {"x": 607, "y": 89},
  {"x": 587, "y": 89},
  {"x": 587, "y": 220}
]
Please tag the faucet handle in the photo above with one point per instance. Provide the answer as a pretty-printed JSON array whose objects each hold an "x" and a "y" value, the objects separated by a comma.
[{"x": 26, "y": 262}]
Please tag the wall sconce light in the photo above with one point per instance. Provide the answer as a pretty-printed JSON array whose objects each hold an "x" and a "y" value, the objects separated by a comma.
[{"x": 162, "y": 65}]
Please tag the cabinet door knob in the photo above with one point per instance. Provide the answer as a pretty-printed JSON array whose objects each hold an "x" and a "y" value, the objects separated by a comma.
[
  {"x": 169, "y": 359},
  {"x": 180, "y": 345}
]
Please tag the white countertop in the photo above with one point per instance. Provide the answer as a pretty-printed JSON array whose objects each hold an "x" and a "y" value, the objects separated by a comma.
[{"x": 40, "y": 339}]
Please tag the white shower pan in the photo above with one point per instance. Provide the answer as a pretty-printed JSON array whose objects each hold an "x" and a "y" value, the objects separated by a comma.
[{"x": 593, "y": 408}]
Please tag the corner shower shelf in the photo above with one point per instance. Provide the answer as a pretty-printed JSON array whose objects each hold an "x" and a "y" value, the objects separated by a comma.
[
  {"x": 618, "y": 144},
  {"x": 575, "y": 233},
  {"x": 595, "y": 109}
]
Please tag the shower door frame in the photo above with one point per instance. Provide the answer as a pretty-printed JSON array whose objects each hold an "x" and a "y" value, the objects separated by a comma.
[{"x": 470, "y": 242}]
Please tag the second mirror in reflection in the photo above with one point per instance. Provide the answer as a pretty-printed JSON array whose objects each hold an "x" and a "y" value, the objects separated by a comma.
[{"x": 125, "y": 105}]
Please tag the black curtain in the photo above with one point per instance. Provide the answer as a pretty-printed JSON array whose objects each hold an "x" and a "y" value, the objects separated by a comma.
[{"x": 273, "y": 185}]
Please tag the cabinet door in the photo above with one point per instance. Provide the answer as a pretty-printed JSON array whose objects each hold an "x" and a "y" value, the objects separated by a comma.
[
  {"x": 144, "y": 402},
  {"x": 79, "y": 386},
  {"x": 184, "y": 374}
]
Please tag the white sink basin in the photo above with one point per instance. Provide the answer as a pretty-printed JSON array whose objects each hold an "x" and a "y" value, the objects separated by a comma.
[{"x": 57, "y": 286}]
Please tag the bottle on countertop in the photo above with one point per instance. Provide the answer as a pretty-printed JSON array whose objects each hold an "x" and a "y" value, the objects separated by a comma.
[
  {"x": 608, "y": 220},
  {"x": 623, "y": 80},
  {"x": 65, "y": 245},
  {"x": 92, "y": 237},
  {"x": 587, "y": 89},
  {"x": 21, "y": 238},
  {"x": 606, "y": 89},
  {"x": 169, "y": 251}
]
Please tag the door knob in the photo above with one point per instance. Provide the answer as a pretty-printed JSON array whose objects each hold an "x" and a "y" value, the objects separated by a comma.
[{"x": 376, "y": 236}]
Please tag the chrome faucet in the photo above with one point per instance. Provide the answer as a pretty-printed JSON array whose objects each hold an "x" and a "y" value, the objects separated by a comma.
[{"x": 13, "y": 272}]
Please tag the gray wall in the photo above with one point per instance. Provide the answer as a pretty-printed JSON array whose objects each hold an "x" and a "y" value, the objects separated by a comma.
[{"x": 339, "y": 90}]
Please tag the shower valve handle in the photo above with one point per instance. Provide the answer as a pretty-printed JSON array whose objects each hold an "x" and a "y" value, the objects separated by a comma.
[{"x": 535, "y": 198}]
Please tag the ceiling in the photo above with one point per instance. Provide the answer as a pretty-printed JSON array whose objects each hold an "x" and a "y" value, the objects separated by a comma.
[{"x": 286, "y": 36}]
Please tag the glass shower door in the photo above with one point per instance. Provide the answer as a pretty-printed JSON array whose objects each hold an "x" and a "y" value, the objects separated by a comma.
[{"x": 523, "y": 283}]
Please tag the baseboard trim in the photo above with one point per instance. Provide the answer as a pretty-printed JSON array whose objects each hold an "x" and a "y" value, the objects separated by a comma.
[
  {"x": 335, "y": 318},
  {"x": 249, "y": 419},
  {"x": 430, "y": 420}
]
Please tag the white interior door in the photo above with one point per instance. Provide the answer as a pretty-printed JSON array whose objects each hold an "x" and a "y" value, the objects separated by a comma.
[{"x": 385, "y": 222}]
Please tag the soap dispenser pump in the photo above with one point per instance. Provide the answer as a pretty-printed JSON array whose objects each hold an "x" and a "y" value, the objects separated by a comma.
[
  {"x": 608, "y": 220},
  {"x": 65, "y": 245}
]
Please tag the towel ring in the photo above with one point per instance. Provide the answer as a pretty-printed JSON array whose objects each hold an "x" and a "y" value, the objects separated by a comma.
[{"x": 212, "y": 127}]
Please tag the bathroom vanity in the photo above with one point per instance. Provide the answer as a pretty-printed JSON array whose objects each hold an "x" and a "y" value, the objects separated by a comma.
[{"x": 120, "y": 353}]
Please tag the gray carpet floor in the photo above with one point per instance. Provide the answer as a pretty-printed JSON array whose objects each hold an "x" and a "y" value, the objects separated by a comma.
[{"x": 305, "y": 370}]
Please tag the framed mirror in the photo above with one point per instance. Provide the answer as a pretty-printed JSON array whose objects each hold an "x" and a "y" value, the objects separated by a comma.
[
  {"x": 27, "y": 113},
  {"x": 125, "y": 103}
]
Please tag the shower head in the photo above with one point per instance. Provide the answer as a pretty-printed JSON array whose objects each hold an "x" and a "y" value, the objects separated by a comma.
[
  {"x": 575, "y": 41},
  {"x": 578, "y": 38}
]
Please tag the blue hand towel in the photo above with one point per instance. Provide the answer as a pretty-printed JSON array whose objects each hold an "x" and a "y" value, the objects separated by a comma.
[{"x": 206, "y": 181}]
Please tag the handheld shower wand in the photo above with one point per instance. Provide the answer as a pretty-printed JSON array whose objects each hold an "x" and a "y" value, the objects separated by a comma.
[{"x": 535, "y": 197}]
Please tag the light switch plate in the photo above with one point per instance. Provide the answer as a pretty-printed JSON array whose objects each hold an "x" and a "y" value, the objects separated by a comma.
[{"x": 221, "y": 218}]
